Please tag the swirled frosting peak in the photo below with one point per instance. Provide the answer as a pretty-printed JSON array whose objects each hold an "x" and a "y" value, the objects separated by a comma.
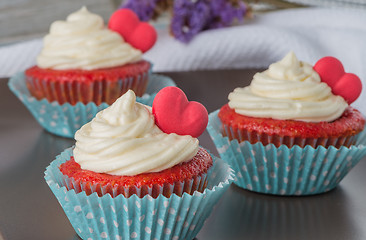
[
  {"x": 288, "y": 90},
  {"x": 123, "y": 139},
  {"x": 83, "y": 42}
]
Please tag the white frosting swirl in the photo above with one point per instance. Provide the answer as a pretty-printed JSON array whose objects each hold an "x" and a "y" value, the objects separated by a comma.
[
  {"x": 124, "y": 140},
  {"x": 288, "y": 90},
  {"x": 82, "y": 42}
]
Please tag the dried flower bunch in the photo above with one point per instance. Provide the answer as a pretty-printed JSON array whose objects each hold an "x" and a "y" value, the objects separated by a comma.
[{"x": 190, "y": 17}]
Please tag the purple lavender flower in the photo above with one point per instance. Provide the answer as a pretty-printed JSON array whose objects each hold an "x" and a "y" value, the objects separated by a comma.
[
  {"x": 189, "y": 18},
  {"x": 193, "y": 16},
  {"x": 143, "y": 8},
  {"x": 223, "y": 13}
]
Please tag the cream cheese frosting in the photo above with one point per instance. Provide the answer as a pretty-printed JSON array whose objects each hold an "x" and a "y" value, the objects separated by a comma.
[
  {"x": 289, "y": 90},
  {"x": 83, "y": 42},
  {"x": 123, "y": 139}
]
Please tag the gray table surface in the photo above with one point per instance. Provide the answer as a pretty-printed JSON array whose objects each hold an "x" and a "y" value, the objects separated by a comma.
[{"x": 28, "y": 209}]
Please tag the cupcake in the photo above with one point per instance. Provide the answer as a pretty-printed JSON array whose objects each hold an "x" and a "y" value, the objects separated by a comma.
[
  {"x": 123, "y": 150},
  {"x": 84, "y": 67},
  {"x": 83, "y": 61},
  {"x": 288, "y": 132},
  {"x": 127, "y": 177},
  {"x": 288, "y": 104}
]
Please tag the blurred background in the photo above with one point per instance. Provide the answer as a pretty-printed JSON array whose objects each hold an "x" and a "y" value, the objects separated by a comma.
[
  {"x": 28, "y": 19},
  {"x": 264, "y": 32}
]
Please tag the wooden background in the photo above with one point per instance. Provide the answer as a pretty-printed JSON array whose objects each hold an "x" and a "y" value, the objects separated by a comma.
[{"x": 26, "y": 19}]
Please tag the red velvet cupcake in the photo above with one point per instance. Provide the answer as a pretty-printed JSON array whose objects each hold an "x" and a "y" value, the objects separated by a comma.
[
  {"x": 127, "y": 178},
  {"x": 288, "y": 104},
  {"x": 123, "y": 151},
  {"x": 83, "y": 61},
  {"x": 291, "y": 131}
]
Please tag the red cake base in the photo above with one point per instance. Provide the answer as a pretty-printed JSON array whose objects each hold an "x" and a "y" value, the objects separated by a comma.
[
  {"x": 98, "y": 86},
  {"x": 185, "y": 177},
  {"x": 341, "y": 132}
]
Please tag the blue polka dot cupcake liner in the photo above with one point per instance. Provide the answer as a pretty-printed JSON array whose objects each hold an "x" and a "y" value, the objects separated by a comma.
[
  {"x": 282, "y": 170},
  {"x": 64, "y": 120},
  {"x": 119, "y": 217}
]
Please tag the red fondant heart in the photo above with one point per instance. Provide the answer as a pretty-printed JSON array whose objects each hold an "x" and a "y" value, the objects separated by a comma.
[
  {"x": 140, "y": 35},
  {"x": 331, "y": 71},
  {"x": 175, "y": 114}
]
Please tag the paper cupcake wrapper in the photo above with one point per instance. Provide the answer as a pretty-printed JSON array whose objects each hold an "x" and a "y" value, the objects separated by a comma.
[
  {"x": 104, "y": 217},
  {"x": 64, "y": 120},
  {"x": 282, "y": 170}
]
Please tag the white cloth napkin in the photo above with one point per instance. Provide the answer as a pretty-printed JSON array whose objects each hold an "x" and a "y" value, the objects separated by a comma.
[{"x": 310, "y": 32}]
